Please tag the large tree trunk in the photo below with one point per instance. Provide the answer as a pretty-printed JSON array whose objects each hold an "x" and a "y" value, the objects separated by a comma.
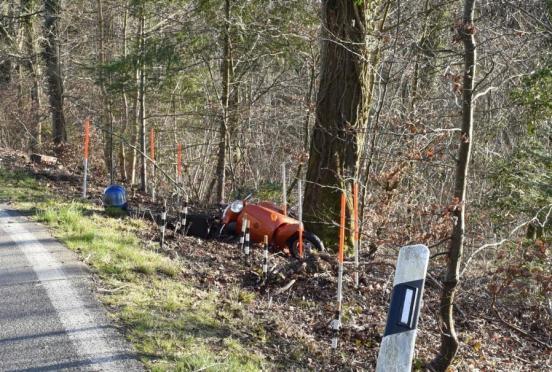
[
  {"x": 343, "y": 104},
  {"x": 449, "y": 339},
  {"x": 51, "y": 53}
]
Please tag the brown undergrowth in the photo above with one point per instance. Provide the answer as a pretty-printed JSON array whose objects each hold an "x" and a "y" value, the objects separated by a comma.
[{"x": 286, "y": 319}]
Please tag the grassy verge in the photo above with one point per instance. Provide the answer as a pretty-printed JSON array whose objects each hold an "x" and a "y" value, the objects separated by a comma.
[{"x": 172, "y": 324}]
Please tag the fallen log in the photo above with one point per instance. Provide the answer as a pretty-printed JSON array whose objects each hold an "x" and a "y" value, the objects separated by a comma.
[{"x": 43, "y": 159}]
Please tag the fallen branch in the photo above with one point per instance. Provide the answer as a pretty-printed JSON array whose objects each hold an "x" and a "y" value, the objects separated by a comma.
[
  {"x": 372, "y": 263},
  {"x": 519, "y": 330},
  {"x": 286, "y": 287}
]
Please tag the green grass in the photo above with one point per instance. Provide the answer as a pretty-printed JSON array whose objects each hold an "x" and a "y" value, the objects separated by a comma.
[
  {"x": 172, "y": 324},
  {"x": 109, "y": 244},
  {"x": 18, "y": 186}
]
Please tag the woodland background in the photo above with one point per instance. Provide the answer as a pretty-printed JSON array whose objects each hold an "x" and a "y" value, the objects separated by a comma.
[{"x": 237, "y": 83}]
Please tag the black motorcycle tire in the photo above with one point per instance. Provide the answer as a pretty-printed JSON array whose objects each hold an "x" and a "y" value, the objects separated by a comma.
[
  {"x": 230, "y": 229},
  {"x": 310, "y": 241}
]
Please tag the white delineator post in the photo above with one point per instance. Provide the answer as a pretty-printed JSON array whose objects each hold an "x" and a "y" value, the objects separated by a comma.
[
  {"x": 85, "y": 161},
  {"x": 284, "y": 189},
  {"x": 184, "y": 214},
  {"x": 246, "y": 243},
  {"x": 265, "y": 259},
  {"x": 163, "y": 223},
  {"x": 241, "y": 245},
  {"x": 397, "y": 346}
]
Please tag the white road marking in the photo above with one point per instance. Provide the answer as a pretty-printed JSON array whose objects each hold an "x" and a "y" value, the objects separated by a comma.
[{"x": 87, "y": 336}]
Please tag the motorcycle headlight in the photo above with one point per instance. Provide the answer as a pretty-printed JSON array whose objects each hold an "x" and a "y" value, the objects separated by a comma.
[{"x": 236, "y": 206}]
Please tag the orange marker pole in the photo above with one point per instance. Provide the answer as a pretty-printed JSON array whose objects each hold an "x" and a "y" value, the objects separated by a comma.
[
  {"x": 152, "y": 156},
  {"x": 342, "y": 229},
  {"x": 356, "y": 240},
  {"x": 85, "y": 150},
  {"x": 336, "y": 323}
]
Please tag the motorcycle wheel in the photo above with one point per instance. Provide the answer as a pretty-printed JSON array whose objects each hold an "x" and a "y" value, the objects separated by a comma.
[
  {"x": 230, "y": 229},
  {"x": 311, "y": 243}
]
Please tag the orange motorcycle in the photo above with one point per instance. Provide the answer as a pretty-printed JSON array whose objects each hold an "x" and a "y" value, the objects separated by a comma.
[{"x": 265, "y": 218}]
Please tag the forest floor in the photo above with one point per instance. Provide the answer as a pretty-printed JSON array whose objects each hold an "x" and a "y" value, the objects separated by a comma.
[{"x": 195, "y": 305}]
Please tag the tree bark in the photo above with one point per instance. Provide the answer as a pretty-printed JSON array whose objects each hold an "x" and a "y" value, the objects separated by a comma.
[
  {"x": 6, "y": 36},
  {"x": 342, "y": 109},
  {"x": 51, "y": 54},
  {"x": 106, "y": 115},
  {"x": 135, "y": 130},
  {"x": 426, "y": 58},
  {"x": 126, "y": 119},
  {"x": 226, "y": 67},
  {"x": 142, "y": 108},
  {"x": 449, "y": 339},
  {"x": 33, "y": 67}
]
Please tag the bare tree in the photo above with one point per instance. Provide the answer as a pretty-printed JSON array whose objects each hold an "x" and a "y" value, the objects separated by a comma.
[
  {"x": 141, "y": 98},
  {"x": 51, "y": 51},
  {"x": 227, "y": 75},
  {"x": 31, "y": 63},
  {"x": 449, "y": 339}
]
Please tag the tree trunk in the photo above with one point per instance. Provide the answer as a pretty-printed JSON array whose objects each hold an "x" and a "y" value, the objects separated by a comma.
[
  {"x": 53, "y": 71},
  {"x": 306, "y": 124},
  {"x": 342, "y": 109},
  {"x": 426, "y": 56},
  {"x": 33, "y": 67},
  {"x": 142, "y": 108},
  {"x": 126, "y": 119},
  {"x": 449, "y": 339},
  {"x": 135, "y": 130},
  {"x": 6, "y": 37},
  {"x": 106, "y": 115},
  {"x": 223, "y": 128}
]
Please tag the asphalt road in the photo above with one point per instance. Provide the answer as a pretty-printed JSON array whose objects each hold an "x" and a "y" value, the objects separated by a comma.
[{"x": 50, "y": 319}]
